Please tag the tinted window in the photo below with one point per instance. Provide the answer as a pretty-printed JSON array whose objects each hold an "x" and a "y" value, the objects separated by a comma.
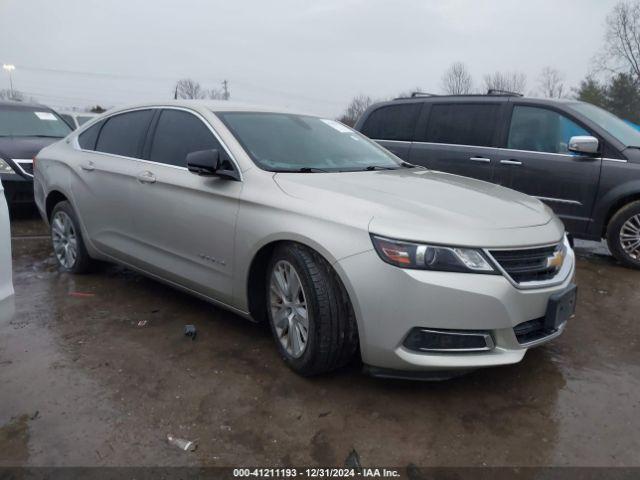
[
  {"x": 124, "y": 134},
  {"x": 87, "y": 139},
  {"x": 541, "y": 130},
  {"x": 22, "y": 121},
  {"x": 177, "y": 134},
  {"x": 395, "y": 122},
  {"x": 69, "y": 119},
  {"x": 461, "y": 124}
]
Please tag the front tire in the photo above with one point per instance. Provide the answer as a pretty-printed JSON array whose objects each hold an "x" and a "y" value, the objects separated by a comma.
[
  {"x": 623, "y": 235},
  {"x": 66, "y": 237},
  {"x": 309, "y": 311}
]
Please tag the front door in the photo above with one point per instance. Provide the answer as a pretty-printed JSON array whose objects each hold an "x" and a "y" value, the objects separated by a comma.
[
  {"x": 184, "y": 223},
  {"x": 536, "y": 161}
]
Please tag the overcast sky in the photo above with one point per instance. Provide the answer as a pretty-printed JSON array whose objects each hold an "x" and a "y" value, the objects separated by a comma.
[{"x": 307, "y": 55}]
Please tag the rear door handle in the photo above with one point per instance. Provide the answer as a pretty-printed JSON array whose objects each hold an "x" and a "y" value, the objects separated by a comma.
[
  {"x": 146, "y": 177},
  {"x": 89, "y": 167},
  {"x": 511, "y": 162},
  {"x": 480, "y": 159}
]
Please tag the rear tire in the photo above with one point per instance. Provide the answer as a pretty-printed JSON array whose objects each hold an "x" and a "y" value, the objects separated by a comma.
[
  {"x": 66, "y": 237},
  {"x": 328, "y": 339},
  {"x": 623, "y": 235}
]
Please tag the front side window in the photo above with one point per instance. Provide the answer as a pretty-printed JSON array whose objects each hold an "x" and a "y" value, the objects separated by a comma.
[
  {"x": 31, "y": 122},
  {"x": 287, "y": 142},
  {"x": 177, "y": 134},
  {"x": 393, "y": 122},
  {"x": 463, "y": 124},
  {"x": 541, "y": 130},
  {"x": 124, "y": 134}
]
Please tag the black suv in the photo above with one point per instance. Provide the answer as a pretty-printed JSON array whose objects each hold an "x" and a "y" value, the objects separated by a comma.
[
  {"x": 25, "y": 129},
  {"x": 581, "y": 160}
]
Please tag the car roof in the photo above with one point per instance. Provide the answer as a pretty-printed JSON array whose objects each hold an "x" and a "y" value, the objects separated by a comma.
[
  {"x": 479, "y": 98},
  {"x": 25, "y": 105},
  {"x": 211, "y": 105}
]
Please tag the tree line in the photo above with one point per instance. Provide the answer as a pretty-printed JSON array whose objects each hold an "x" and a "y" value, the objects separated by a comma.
[{"x": 613, "y": 82}]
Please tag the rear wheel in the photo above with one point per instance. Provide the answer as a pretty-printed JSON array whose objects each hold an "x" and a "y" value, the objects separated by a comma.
[
  {"x": 66, "y": 237},
  {"x": 309, "y": 311},
  {"x": 623, "y": 235}
]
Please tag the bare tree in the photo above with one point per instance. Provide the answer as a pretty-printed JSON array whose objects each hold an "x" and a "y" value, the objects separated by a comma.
[
  {"x": 221, "y": 93},
  {"x": 189, "y": 89},
  {"x": 621, "y": 52},
  {"x": 13, "y": 94},
  {"x": 457, "y": 80},
  {"x": 506, "y": 81},
  {"x": 356, "y": 107},
  {"x": 551, "y": 83}
]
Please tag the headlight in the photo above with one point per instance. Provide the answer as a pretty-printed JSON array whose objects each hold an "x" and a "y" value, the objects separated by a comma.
[
  {"x": 431, "y": 257},
  {"x": 5, "y": 168}
]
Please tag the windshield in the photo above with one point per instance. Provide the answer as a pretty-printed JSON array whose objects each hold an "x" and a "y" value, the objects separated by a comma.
[
  {"x": 622, "y": 131},
  {"x": 284, "y": 142},
  {"x": 27, "y": 122}
]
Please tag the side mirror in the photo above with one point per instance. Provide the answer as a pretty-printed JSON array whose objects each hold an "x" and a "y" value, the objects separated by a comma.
[
  {"x": 203, "y": 162},
  {"x": 584, "y": 144}
]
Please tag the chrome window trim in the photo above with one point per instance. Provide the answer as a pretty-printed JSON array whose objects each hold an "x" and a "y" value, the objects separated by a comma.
[
  {"x": 488, "y": 340},
  {"x": 561, "y": 276},
  {"x": 618, "y": 160},
  {"x": 559, "y": 200},
  {"x": 76, "y": 144},
  {"x": 20, "y": 161}
]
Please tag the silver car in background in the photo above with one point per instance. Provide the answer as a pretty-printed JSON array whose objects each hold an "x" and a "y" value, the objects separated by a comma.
[{"x": 302, "y": 222}]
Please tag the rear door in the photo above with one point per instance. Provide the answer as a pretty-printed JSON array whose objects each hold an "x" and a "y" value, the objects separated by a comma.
[
  {"x": 393, "y": 126},
  {"x": 106, "y": 174},
  {"x": 184, "y": 223},
  {"x": 535, "y": 160},
  {"x": 459, "y": 137}
]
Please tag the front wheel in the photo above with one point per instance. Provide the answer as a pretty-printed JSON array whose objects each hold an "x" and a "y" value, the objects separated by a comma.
[
  {"x": 623, "y": 235},
  {"x": 309, "y": 311}
]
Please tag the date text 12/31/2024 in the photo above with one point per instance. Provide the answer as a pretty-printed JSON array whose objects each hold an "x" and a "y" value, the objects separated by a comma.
[{"x": 315, "y": 472}]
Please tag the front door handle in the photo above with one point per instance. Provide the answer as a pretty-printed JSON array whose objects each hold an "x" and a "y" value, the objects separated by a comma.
[
  {"x": 511, "y": 162},
  {"x": 480, "y": 159},
  {"x": 146, "y": 177},
  {"x": 89, "y": 166}
]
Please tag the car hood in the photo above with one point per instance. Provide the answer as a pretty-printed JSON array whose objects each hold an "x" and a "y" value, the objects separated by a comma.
[
  {"x": 420, "y": 204},
  {"x": 23, "y": 147}
]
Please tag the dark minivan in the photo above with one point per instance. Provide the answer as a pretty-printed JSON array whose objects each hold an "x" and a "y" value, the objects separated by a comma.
[
  {"x": 25, "y": 129},
  {"x": 581, "y": 160}
]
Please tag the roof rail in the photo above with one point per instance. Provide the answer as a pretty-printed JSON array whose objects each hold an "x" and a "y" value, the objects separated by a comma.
[
  {"x": 497, "y": 91},
  {"x": 422, "y": 94}
]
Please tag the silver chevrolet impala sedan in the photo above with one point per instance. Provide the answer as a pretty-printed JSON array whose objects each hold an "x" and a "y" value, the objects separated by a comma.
[{"x": 301, "y": 222}]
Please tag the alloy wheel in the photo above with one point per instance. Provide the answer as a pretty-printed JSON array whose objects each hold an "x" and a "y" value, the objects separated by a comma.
[
  {"x": 65, "y": 241},
  {"x": 289, "y": 311}
]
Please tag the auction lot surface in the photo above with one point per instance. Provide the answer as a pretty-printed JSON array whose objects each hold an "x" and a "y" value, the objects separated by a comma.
[{"x": 95, "y": 370}]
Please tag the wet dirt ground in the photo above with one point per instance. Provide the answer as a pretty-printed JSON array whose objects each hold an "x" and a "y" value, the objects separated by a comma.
[{"x": 95, "y": 370}]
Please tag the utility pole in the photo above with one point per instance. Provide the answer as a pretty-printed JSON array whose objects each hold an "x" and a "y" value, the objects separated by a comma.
[
  {"x": 9, "y": 68},
  {"x": 225, "y": 90},
  {"x": 175, "y": 94}
]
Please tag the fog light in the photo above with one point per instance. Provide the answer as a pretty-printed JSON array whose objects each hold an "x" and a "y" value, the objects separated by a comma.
[{"x": 429, "y": 340}]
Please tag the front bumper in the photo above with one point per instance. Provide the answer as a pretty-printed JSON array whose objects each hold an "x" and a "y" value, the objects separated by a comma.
[
  {"x": 389, "y": 302},
  {"x": 17, "y": 189}
]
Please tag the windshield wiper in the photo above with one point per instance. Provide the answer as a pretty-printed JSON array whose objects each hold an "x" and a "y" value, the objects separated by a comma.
[
  {"x": 408, "y": 165},
  {"x": 371, "y": 168},
  {"x": 302, "y": 170}
]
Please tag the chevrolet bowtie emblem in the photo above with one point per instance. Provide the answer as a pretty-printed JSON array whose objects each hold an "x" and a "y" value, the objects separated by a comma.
[{"x": 556, "y": 260}]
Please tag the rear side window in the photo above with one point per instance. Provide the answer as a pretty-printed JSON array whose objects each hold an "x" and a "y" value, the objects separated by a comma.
[
  {"x": 177, "y": 134},
  {"x": 541, "y": 130},
  {"x": 87, "y": 139},
  {"x": 393, "y": 122},
  {"x": 463, "y": 124},
  {"x": 124, "y": 134}
]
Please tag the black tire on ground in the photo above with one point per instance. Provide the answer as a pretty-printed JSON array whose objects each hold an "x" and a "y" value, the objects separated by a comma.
[
  {"x": 613, "y": 234},
  {"x": 83, "y": 262},
  {"x": 333, "y": 334}
]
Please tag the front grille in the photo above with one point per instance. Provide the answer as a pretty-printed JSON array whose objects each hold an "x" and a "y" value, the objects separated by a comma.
[
  {"x": 529, "y": 265},
  {"x": 531, "y": 331}
]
